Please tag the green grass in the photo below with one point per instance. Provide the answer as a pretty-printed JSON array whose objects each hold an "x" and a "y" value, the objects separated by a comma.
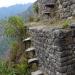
[
  {"x": 5, "y": 70},
  {"x": 18, "y": 69}
]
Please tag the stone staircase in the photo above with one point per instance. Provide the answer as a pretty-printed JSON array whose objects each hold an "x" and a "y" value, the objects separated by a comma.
[{"x": 32, "y": 59}]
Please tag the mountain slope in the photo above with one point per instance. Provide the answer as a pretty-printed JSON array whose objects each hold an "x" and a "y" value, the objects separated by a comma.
[
  {"x": 13, "y": 10},
  {"x": 27, "y": 13}
]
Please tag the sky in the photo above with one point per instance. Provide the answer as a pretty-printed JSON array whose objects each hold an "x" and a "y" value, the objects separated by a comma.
[{"x": 6, "y": 3}]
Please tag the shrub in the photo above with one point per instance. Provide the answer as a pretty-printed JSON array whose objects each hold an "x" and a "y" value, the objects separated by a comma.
[
  {"x": 66, "y": 23},
  {"x": 15, "y": 27},
  {"x": 22, "y": 69},
  {"x": 15, "y": 48},
  {"x": 5, "y": 70},
  {"x": 19, "y": 69}
]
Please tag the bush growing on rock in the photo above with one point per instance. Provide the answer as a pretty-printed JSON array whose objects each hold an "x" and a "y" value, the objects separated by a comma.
[{"x": 66, "y": 24}]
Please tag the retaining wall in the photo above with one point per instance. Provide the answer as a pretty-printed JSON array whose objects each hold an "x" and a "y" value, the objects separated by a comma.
[{"x": 55, "y": 49}]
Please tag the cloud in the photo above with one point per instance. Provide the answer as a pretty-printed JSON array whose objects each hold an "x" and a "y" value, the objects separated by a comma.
[{"x": 6, "y": 3}]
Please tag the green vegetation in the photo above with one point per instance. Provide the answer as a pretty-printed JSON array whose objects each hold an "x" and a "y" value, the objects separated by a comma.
[
  {"x": 16, "y": 64},
  {"x": 66, "y": 24},
  {"x": 20, "y": 69},
  {"x": 15, "y": 26}
]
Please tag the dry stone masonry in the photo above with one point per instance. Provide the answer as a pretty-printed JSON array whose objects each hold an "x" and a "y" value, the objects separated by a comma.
[
  {"x": 56, "y": 8},
  {"x": 30, "y": 55},
  {"x": 55, "y": 50}
]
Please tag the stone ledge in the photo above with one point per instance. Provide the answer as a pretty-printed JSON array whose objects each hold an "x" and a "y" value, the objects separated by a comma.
[
  {"x": 30, "y": 49},
  {"x": 39, "y": 72},
  {"x": 33, "y": 60},
  {"x": 27, "y": 39}
]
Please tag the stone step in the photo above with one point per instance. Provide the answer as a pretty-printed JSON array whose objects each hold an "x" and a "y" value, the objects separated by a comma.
[
  {"x": 38, "y": 72},
  {"x": 27, "y": 39},
  {"x": 30, "y": 49},
  {"x": 33, "y": 60}
]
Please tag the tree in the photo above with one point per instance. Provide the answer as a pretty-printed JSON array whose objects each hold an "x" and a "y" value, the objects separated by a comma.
[{"x": 15, "y": 27}]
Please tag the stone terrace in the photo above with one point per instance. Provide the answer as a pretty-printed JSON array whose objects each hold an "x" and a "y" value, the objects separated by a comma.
[{"x": 55, "y": 49}]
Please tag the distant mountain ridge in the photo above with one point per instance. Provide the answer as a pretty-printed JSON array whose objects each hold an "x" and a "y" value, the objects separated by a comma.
[
  {"x": 27, "y": 13},
  {"x": 13, "y": 10}
]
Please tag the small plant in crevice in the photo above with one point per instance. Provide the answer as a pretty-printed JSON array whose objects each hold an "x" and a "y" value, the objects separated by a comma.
[{"x": 66, "y": 24}]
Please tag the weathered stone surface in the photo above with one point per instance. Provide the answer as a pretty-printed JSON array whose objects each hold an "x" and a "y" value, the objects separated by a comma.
[
  {"x": 55, "y": 49},
  {"x": 52, "y": 8},
  {"x": 27, "y": 39},
  {"x": 33, "y": 60},
  {"x": 30, "y": 49},
  {"x": 39, "y": 72}
]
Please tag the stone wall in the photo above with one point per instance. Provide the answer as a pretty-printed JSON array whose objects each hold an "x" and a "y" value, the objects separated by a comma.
[
  {"x": 68, "y": 8},
  {"x": 55, "y": 49},
  {"x": 56, "y": 8}
]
